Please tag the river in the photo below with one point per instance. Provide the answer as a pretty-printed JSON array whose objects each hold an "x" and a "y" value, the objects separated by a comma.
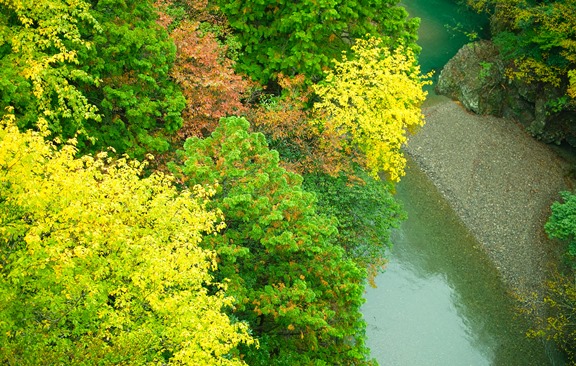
[
  {"x": 440, "y": 300},
  {"x": 444, "y": 28}
]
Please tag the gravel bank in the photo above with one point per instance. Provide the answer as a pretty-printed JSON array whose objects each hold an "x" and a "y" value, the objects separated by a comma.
[{"x": 499, "y": 180}]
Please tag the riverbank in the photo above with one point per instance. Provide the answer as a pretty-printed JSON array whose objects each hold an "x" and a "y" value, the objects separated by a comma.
[{"x": 500, "y": 182}]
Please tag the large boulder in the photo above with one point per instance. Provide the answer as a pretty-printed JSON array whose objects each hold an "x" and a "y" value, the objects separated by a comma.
[{"x": 475, "y": 77}]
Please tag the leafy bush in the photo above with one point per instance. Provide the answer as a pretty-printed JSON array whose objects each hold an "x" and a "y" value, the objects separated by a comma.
[
  {"x": 558, "y": 323},
  {"x": 302, "y": 37},
  {"x": 562, "y": 223},
  {"x": 366, "y": 212}
]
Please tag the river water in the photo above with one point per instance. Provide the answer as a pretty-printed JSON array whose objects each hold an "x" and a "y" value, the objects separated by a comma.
[
  {"x": 440, "y": 300},
  {"x": 444, "y": 28}
]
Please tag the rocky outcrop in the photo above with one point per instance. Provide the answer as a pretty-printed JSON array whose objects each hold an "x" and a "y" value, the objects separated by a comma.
[{"x": 476, "y": 77}]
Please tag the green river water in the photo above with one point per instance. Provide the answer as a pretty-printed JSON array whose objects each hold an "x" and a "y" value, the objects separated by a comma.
[{"x": 440, "y": 300}]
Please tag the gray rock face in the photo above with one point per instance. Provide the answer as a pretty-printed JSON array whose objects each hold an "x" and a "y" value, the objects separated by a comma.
[{"x": 476, "y": 77}]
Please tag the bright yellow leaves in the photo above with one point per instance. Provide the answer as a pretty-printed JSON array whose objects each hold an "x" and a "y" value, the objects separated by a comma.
[
  {"x": 572, "y": 84},
  {"x": 101, "y": 266},
  {"x": 45, "y": 38},
  {"x": 374, "y": 99},
  {"x": 531, "y": 70}
]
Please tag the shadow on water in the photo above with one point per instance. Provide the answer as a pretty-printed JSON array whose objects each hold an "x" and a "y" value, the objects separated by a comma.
[
  {"x": 444, "y": 28},
  {"x": 440, "y": 301}
]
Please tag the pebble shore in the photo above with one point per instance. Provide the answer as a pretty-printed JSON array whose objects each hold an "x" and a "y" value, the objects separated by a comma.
[{"x": 500, "y": 181}]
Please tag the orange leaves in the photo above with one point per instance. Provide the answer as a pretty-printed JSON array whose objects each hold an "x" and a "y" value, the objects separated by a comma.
[
  {"x": 209, "y": 84},
  {"x": 292, "y": 214},
  {"x": 202, "y": 70},
  {"x": 196, "y": 5},
  {"x": 304, "y": 147}
]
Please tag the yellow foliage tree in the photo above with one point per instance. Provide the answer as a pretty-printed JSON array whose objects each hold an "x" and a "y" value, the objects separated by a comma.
[
  {"x": 41, "y": 40},
  {"x": 101, "y": 266},
  {"x": 374, "y": 99}
]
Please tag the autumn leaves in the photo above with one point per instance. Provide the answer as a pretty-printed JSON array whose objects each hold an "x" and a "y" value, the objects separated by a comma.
[{"x": 217, "y": 253}]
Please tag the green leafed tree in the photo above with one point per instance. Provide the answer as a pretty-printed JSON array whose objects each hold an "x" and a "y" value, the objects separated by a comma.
[
  {"x": 39, "y": 46},
  {"x": 302, "y": 37},
  {"x": 291, "y": 282},
  {"x": 98, "y": 68},
  {"x": 101, "y": 267},
  {"x": 132, "y": 56},
  {"x": 366, "y": 213},
  {"x": 562, "y": 223}
]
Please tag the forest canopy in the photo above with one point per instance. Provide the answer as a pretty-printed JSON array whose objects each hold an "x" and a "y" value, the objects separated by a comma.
[{"x": 145, "y": 220}]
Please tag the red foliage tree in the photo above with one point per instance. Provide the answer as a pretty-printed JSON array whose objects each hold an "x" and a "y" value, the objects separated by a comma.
[
  {"x": 211, "y": 87},
  {"x": 207, "y": 79}
]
